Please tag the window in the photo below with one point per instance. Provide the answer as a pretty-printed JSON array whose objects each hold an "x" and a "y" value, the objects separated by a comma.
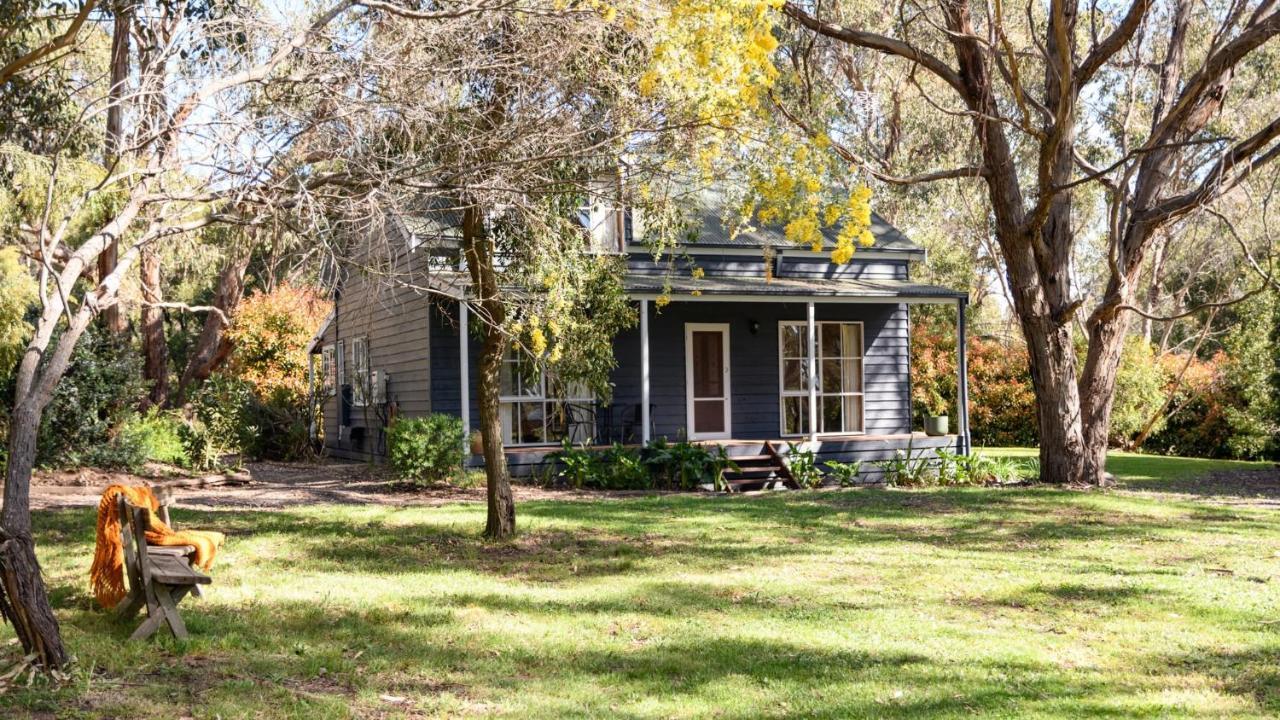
[
  {"x": 328, "y": 372},
  {"x": 360, "y": 370},
  {"x": 538, "y": 408},
  {"x": 840, "y": 399},
  {"x": 606, "y": 221}
]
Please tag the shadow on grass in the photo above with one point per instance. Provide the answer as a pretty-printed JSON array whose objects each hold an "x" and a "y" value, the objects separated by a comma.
[
  {"x": 307, "y": 651},
  {"x": 579, "y": 540},
  {"x": 266, "y": 651}
]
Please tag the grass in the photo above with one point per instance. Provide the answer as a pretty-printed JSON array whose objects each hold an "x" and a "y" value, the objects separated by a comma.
[{"x": 938, "y": 603}]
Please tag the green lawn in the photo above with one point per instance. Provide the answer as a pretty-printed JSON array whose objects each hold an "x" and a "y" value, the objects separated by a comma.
[{"x": 1020, "y": 603}]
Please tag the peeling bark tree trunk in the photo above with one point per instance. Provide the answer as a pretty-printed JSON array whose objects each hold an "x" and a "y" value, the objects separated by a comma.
[
  {"x": 155, "y": 368},
  {"x": 112, "y": 318},
  {"x": 23, "y": 599},
  {"x": 212, "y": 347},
  {"x": 501, "y": 521}
]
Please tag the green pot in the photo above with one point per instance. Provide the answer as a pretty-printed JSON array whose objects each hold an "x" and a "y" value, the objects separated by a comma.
[{"x": 937, "y": 425}]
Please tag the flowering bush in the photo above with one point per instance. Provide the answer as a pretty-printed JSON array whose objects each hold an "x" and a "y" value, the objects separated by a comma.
[
  {"x": 258, "y": 404},
  {"x": 1002, "y": 407}
]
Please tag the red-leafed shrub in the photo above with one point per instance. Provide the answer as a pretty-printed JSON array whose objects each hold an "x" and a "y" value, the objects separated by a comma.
[
  {"x": 269, "y": 335},
  {"x": 1002, "y": 408},
  {"x": 258, "y": 404}
]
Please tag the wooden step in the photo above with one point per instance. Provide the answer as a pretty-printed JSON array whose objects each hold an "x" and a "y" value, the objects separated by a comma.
[
  {"x": 753, "y": 470},
  {"x": 757, "y": 481},
  {"x": 739, "y": 459}
]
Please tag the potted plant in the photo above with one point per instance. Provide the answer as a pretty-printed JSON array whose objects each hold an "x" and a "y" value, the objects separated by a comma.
[
  {"x": 936, "y": 422},
  {"x": 477, "y": 443}
]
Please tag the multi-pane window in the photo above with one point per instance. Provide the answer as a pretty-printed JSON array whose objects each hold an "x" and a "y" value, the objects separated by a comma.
[
  {"x": 360, "y": 371},
  {"x": 606, "y": 221},
  {"x": 840, "y": 394},
  {"x": 536, "y": 407},
  {"x": 328, "y": 372}
]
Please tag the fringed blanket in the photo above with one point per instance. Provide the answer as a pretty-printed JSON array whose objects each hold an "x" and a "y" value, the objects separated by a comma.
[{"x": 107, "y": 573}]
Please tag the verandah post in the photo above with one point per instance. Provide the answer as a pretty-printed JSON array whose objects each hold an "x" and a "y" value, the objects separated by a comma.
[
  {"x": 464, "y": 381},
  {"x": 962, "y": 369},
  {"x": 644, "y": 372},
  {"x": 813, "y": 377}
]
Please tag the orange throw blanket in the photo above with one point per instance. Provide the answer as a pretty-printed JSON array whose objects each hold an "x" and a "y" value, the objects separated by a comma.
[{"x": 107, "y": 573}]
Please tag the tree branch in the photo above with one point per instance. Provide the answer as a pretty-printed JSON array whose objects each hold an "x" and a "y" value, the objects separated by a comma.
[
  {"x": 879, "y": 43},
  {"x": 16, "y": 65},
  {"x": 1111, "y": 44}
]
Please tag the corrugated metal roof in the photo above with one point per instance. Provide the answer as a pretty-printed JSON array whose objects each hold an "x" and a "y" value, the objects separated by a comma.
[
  {"x": 457, "y": 284},
  {"x": 712, "y": 217},
  {"x": 817, "y": 288}
]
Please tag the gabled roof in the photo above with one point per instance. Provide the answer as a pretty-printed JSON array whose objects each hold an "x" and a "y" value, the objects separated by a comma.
[{"x": 712, "y": 216}]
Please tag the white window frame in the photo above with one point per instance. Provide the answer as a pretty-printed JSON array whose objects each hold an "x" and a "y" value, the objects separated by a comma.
[
  {"x": 605, "y": 219},
  {"x": 803, "y": 392},
  {"x": 340, "y": 355},
  {"x": 689, "y": 329},
  {"x": 360, "y": 388},
  {"x": 328, "y": 372},
  {"x": 512, "y": 359}
]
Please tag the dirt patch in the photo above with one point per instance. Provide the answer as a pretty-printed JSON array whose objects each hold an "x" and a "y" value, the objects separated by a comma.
[
  {"x": 268, "y": 486},
  {"x": 1254, "y": 488}
]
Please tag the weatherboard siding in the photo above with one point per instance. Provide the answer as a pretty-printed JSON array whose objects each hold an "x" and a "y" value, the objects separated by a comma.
[
  {"x": 398, "y": 343},
  {"x": 753, "y": 364},
  {"x": 394, "y": 320}
]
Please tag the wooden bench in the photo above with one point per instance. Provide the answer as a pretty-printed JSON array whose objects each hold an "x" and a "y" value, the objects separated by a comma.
[{"x": 159, "y": 577}]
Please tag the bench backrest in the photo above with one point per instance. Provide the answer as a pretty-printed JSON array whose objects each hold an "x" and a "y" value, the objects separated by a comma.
[{"x": 134, "y": 523}]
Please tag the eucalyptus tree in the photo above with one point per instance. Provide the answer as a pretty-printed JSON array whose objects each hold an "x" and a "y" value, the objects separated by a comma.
[
  {"x": 1090, "y": 128},
  {"x": 512, "y": 134},
  {"x": 201, "y": 144}
]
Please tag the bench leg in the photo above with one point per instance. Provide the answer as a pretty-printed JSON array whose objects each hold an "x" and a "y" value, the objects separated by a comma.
[
  {"x": 130, "y": 605},
  {"x": 170, "y": 607},
  {"x": 162, "y": 609},
  {"x": 148, "y": 627}
]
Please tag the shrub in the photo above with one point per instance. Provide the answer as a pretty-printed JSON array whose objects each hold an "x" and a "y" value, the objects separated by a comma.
[
  {"x": 426, "y": 449},
  {"x": 222, "y": 419},
  {"x": 1002, "y": 404},
  {"x": 802, "y": 463},
  {"x": 98, "y": 394},
  {"x": 684, "y": 465},
  {"x": 905, "y": 469},
  {"x": 1140, "y": 391},
  {"x": 845, "y": 473},
  {"x": 572, "y": 465},
  {"x": 620, "y": 468},
  {"x": 159, "y": 437},
  {"x": 269, "y": 334}
]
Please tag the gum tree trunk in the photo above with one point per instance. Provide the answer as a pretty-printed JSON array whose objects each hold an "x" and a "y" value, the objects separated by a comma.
[
  {"x": 155, "y": 367},
  {"x": 212, "y": 347},
  {"x": 501, "y": 521},
  {"x": 23, "y": 599},
  {"x": 122, "y": 11}
]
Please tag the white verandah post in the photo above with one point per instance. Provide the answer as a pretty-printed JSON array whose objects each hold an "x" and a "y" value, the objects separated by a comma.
[
  {"x": 813, "y": 377},
  {"x": 644, "y": 372},
  {"x": 464, "y": 370},
  {"x": 962, "y": 370}
]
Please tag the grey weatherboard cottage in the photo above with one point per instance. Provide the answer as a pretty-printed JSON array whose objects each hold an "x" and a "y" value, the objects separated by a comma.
[{"x": 724, "y": 360}]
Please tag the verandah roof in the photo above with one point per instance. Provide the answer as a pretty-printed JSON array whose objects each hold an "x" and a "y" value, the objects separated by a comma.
[
  {"x": 749, "y": 289},
  {"x": 785, "y": 289}
]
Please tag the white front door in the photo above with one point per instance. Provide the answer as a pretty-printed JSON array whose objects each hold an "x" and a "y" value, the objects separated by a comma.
[{"x": 706, "y": 362}]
